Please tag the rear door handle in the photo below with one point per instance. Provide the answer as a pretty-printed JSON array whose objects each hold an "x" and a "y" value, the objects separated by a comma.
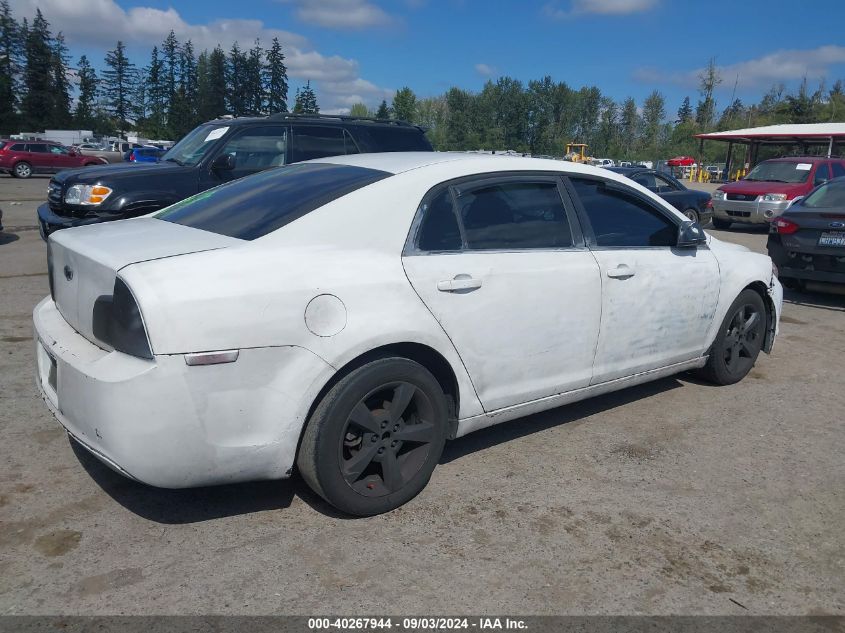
[
  {"x": 622, "y": 271},
  {"x": 460, "y": 282}
]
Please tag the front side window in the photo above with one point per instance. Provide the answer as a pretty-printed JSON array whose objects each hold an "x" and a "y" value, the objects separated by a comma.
[
  {"x": 257, "y": 148},
  {"x": 822, "y": 174},
  {"x": 57, "y": 149},
  {"x": 664, "y": 184},
  {"x": 514, "y": 215},
  {"x": 622, "y": 220},
  {"x": 254, "y": 206},
  {"x": 838, "y": 169},
  {"x": 311, "y": 141}
]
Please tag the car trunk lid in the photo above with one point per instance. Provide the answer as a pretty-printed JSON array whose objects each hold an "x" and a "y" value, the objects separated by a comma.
[{"x": 83, "y": 262}]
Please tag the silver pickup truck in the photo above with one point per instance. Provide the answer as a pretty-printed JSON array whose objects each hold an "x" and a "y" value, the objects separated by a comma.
[{"x": 113, "y": 152}]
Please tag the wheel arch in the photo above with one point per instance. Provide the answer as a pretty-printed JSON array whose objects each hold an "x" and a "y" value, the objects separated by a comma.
[
  {"x": 761, "y": 289},
  {"x": 423, "y": 354}
]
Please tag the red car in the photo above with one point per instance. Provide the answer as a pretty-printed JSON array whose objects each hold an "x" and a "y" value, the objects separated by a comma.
[
  {"x": 771, "y": 188},
  {"x": 21, "y": 159}
]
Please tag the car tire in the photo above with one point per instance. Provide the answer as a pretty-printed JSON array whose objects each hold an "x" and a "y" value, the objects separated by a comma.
[
  {"x": 738, "y": 341},
  {"x": 691, "y": 214},
  {"x": 22, "y": 170},
  {"x": 721, "y": 224},
  {"x": 360, "y": 456}
]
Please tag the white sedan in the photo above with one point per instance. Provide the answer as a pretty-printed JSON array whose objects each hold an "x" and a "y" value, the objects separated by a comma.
[{"x": 349, "y": 315}]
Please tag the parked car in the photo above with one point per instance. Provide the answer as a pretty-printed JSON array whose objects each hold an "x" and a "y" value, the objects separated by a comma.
[
  {"x": 714, "y": 171},
  {"x": 807, "y": 241},
  {"x": 770, "y": 188},
  {"x": 1, "y": 220},
  {"x": 212, "y": 154},
  {"x": 696, "y": 205},
  {"x": 21, "y": 159},
  {"x": 348, "y": 315},
  {"x": 603, "y": 162},
  {"x": 146, "y": 155},
  {"x": 113, "y": 152}
]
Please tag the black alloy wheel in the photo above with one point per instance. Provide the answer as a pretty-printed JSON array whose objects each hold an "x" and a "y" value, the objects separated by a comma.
[
  {"x": 739, "y": 340},
  {"x": 691, "y": 214},
  {"x": 375, "y": 437},
  {"x": 387, "y": 438}
]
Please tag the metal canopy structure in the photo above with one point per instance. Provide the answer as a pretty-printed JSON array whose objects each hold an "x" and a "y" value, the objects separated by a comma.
[{"x": 803, "y": 135}]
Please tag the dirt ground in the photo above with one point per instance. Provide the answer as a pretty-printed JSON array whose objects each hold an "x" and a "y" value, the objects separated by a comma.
[{"x": 673, "y": 497}]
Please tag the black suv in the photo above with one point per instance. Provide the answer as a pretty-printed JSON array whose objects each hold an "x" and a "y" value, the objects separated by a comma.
[{"x": 214, "y": 153}]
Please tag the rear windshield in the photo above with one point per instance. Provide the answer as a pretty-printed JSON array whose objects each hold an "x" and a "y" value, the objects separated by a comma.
[
  {"x": 780, "y": 171},
  {"x": 254, "y": 206},
  {"x": 396, "y": 139}
]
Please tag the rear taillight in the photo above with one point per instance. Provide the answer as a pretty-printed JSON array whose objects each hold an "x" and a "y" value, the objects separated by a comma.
[
  {"x": 709, "y": 204},
  {"x": 117, "y": 322},
  {"x": 784, "y": 226}
]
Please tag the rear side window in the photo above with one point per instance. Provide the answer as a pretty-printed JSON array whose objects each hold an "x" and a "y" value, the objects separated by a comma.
[
  {"x": 514, "y": 215},
  {"x": 18, "y": 147},
  {"x": 40, "y": 148},
  {"x": 623, "y": 220},
  {"x": 395, "y": 139},
  {"x": 317, "y": 142},
  {"x": 838, "y": 169},
  {"x": 439, "y": 230},
  {"x": 254, "y": 206}
]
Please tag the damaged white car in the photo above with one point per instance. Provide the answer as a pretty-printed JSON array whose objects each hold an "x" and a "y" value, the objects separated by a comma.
[{"x": 349, "y": 315}]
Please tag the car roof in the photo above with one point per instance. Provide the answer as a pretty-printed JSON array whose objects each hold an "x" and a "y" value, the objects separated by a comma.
[
  {"x": 322, "y": 119},
  {"x": 798, "y": 159},
  {"x": 400, "y": 162}
]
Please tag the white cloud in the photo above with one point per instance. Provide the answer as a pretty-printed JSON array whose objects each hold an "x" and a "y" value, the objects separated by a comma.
[
  {"x": 599, "y": 7},
  {"x": 341, "y": 14},
  {"x": 100, "y": 23},
  {"x": 485, "y": 70},
  {"x": 783, "y": 65}
]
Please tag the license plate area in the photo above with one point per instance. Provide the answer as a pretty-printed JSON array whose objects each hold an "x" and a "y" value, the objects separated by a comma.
[{"x": 832, "y": 238}]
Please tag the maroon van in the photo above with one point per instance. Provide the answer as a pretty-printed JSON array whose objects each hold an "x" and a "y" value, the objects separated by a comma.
[
  {"x": 770, "y": 188},
  {"x": 21, "y": 159}
]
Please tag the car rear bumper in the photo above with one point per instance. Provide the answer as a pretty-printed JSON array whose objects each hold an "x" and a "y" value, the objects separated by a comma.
[
  {"x": 809, "y": 264},
  {"x": 748, "y": 211},
  {"x": 171, "y": 425}
]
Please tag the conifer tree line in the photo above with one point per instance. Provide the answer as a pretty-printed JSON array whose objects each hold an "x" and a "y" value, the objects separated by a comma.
[
  {"x": 178, "y": 88},
  {"x": 164, "y": 99}
]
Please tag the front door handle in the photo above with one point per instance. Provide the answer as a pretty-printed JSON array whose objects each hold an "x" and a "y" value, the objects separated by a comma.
[
  {"x": 460, "y": 282},
  {"x": 622, "y": 271}
]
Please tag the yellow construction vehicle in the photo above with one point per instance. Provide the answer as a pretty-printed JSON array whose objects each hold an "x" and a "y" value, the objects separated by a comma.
[{"x": 577, "y": 153}]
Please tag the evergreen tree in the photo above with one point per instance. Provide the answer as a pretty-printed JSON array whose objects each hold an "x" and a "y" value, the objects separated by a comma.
[
  {"x": 118, "y": 81},
  {"x": 405, "y": 105},
  {"x": 685, "y": 112},
  {"x": 383, "y": 112},
  {"x": 156, "y": 96},
  {"x": 276, "y": 79},
  {"x": 170, "y": 59},
  {"x": 253, "y": 82},
  {"x": 38, "y": 104},
  {"x": 10, "y": 53},
  {"x": 235, "y": 81},
  {"x": 84, "y": 114},
  {"x": 182, "y": 116},
  {"x": 61, "y": 115},
  {"x": 306, "y": 101}
]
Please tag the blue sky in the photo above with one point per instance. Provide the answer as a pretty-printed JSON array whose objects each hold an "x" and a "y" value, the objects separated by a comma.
[{"x": 356, "y": 50}]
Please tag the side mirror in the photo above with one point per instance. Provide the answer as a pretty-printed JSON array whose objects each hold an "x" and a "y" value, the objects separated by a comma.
[
  {"x": 224, "y": 162},
  {"x": 690, "y": 235},
  {"x": 795, "y": 200},
  {"x": 72, "y": 152}
]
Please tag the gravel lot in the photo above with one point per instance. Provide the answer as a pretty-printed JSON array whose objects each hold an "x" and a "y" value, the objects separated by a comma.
[{"x": 673, "y": 497}]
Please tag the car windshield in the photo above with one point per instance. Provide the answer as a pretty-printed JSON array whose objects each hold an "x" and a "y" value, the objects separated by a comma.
[
  {"x": 191, "y": 149},
  {"x": 828, "y": 196},
  {"x": 780, "y": 171},
  {"x": 254, "y": 206}
]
